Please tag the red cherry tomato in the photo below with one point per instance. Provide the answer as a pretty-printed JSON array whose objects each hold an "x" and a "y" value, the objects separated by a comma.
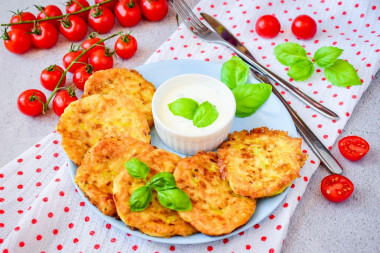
[
  {"x": 91, "y": 41},
  {"x": 128, "y": 13},
  {"x": 267, "y": 26},
  {"x": 44, "y": 35},
  {"x": 50, "y": 76},
  {"x": 304, "y": 27},
  {"x": 101, "y": 19},
  {"x": 336, "y": 188},
  {"x": 81, "y": 75},
  {"x": 126, "y": 46},
  {"x": 73, "y": 28},
  {"x": 22, "y": 16},
  {"x": 50, "y": 11},
  {"x": 17, "y": 41},
  {"x": 70, "y": 57},
  {"x": 353, "y": 148},
  {"x": 154, "y": 10},
  {"x": 62, "y": 100},
  {"x": 29, "y": 102},
  {"x": 110, "y": 6},
  {"x": 101, "y": 59},
  {"x": 77, "y": 5}
]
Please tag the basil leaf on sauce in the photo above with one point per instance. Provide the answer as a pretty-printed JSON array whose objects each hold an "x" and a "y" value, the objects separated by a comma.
[{"x": 205, "y": 115}]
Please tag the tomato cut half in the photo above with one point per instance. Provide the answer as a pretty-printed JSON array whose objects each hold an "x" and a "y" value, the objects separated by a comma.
[
  {"x": 353, "y": 148},
  {"x": 336, "y": 188}
]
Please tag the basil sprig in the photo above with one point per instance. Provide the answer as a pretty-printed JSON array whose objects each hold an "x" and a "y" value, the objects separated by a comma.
[
  {"x": 337, "y": 71},
  {"x": 249, "y": 97},
  {"x": 202, "y": 115},
  {"x": 169, "y": 195}
]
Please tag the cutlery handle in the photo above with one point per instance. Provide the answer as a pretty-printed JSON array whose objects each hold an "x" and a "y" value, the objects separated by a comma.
[{"x": 299, "y": 94}]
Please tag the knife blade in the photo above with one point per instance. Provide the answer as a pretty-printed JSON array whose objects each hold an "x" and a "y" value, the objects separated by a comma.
[{"x": 311, "y": 139}]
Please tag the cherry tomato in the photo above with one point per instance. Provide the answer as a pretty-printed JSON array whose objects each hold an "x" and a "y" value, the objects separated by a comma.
[
  {"x": 44, "y": 35},
  {"x": 304, "y": 27},
  {"x": 353, "y": 148},
  {"x": 110, "y": 6},
  {"x": 70, "y": 56},
  {"x": 29, "y": 102},
  {"x": 336, "y": 188},
  {"x": 101, "y": 59},
  {"x": 101, "y": 19},
  {"x": 128, "y": 13},
  {"x": 17, "y": 41},
  {"x": 81, "y": 75},
  {"x": 22, "y": 16},
  {"x": 77, "y": 5},
  {"x": 73, "y": 28},
  {"x": 91, "y": 41},
  {"x": 62, "y": 100},
  {"x": 50, "y": 11},
  {"x": 267, "y": 26},
  {"x": 126, "y": 46},
  {"x": 154, "y": 10},
  {"x": 50, "y": 76}
]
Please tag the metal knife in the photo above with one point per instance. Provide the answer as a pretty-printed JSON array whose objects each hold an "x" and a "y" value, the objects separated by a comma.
[{"x": 315, "y": 144}]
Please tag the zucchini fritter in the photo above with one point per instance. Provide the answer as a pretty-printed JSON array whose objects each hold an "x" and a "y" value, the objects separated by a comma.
[
  {"x": 85, "y": 121},
  {"x": 101, "y": 164},
  {"x": 155, "y": 220},
  {"x": 217, "y": 210},
  {"x": 123, "y": 82},
  {"x": 261, "y": 163}
]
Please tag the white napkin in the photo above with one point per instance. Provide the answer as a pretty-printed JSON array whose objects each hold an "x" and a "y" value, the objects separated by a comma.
[{"x": 40, "y": 211}]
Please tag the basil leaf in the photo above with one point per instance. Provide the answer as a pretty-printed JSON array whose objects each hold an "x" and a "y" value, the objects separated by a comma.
[
  {"x": 326, "y": 56},
  {"x": 137, "y": 168},
  {"x": 184, "y": 107},
  {"x": 250, "y": 97},
  {"x": 343, "y": 74},
  {"x": 174, "y": 199},
  {"x": 234, "y": 72},
  {"x": 205, "y": 115},
  {"x": 289, "y": 53},
  {"x": 301, "y": 70},
  {"x": 163, "y": 181},
  {"x": 140, "y": 198}
]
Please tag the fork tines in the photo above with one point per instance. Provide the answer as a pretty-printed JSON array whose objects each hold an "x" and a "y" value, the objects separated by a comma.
[{"x": 188, "y": 16}]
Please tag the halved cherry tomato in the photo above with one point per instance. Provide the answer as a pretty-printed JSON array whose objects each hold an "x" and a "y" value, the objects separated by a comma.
[
  {"x": 304, "y": 27},
  {"x": 126, "y": 46},
  {"x": 91, "y": 41},
  {"x": 267, "y": 26},
  {"x": 111, "y": 5},
  {"x": 50, "y": 76},
  {"x": 30, "y": 102},
  {"x": 70, "y": 57},
  {"x": 154, "y": 10},
  {"x": 353, "y": 148},
  {"x": 101, "y": 19},
  {"x": 77, "y": 5},
  {"x": 336, "y": 188},
  {"x": 44, "y": 35},
  {"x": 128, "y": 13},
  {"x": 81, "y": 75},
  {"x": 22, "y": 16},
  {"x": 101, "y": 59},
  {"x": 49, "y": 11},
  {"x": 73, "y": 28},
  {"x": 17, "y": 41},
  {"x": 62, "y": 100}
]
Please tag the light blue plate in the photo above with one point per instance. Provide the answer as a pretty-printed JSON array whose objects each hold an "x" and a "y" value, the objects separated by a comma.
[{"x": 272, "y": 115}]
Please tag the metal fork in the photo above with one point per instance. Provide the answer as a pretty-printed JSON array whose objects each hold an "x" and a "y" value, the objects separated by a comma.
[{"x": 203, "y": 32}]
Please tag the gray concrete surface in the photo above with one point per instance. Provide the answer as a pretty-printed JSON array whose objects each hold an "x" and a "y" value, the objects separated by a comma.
[{"x": 316, "y": 226}]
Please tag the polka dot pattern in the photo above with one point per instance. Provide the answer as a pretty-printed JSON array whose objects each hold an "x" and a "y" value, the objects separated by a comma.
[{"x": 41, "y": 211}]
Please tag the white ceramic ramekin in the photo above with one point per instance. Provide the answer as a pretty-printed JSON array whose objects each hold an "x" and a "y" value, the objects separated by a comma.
[{"x": 190, "y": 143}]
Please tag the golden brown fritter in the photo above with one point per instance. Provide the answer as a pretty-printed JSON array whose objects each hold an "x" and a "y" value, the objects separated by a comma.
[
  {"x": 217, "y": 210},
  {"x": 101, "y": 165},
  {"x": 155, "y": 220},
  {"x": 123, "y": 82},
  {"x": 85, "y": 121},
  {"x": 261, "y": 163}
]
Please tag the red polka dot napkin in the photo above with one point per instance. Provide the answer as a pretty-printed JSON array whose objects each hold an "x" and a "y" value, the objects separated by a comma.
[{"x": 40, "y": 211}]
